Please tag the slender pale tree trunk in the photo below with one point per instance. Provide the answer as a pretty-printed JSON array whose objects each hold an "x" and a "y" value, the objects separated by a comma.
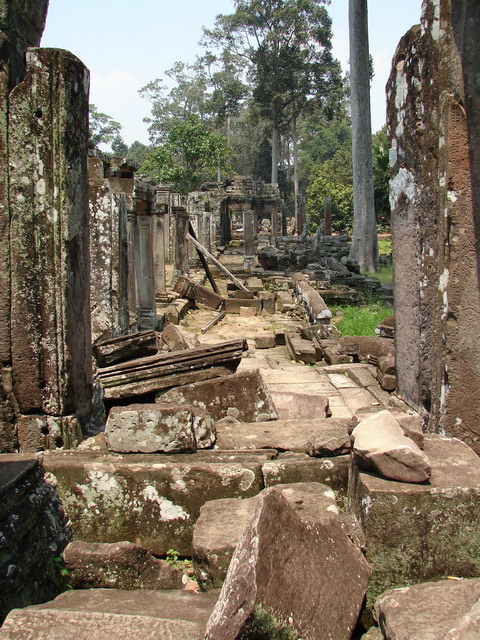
[
  {"x": 296, "y": 189},
  {"x": 275, "y": 152},
  {"x": 364, "y": 247}
]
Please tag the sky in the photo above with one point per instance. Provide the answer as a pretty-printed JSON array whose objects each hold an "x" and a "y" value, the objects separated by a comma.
[{"x": 127, "y": 44}]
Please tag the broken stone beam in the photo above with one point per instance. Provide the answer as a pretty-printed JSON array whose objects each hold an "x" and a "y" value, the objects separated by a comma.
[
  {"x": 218, "y": 264},
  {"x": 218, "y": 318},
  {"x": 49, "y": 236},
  {"x": 189, "y": 289},
  {"x": 301, "y": 350},
  {"x": 163, "y": 371},
  {"x": 312, "y": 302},
  {"x": 137, "y": 345}
]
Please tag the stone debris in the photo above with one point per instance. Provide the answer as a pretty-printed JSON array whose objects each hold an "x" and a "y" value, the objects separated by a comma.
[
  {"x": 222, "y": 522},
  {"x": 301, "y": 350},
  {"x": 300, "y": 406},
  {"x": 302, "y": 436},
  {"x": 177, "y": 338},
  {"x": 187, "y": 288},
  {"x": 121, "y": 565},
  {"x": 290, "y": 568},
  {"x": 380, "y": 444},
  {"x": 137, "y": 345},
  {"x": 447, "y": 610},
  {"x": 243, "y": 395},
  {"x": 153, "y": 428},
  {"x": 434, "y": 525},
  {"x": 312, "y": 302},
  {"x": 144, "y": 375},
  {"x": 109, "y": 614}
]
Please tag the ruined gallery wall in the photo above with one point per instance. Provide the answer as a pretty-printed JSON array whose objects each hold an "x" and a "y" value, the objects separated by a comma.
[
  {"x": 432, "y": 124},
  {"x": 44, "y": 237}
]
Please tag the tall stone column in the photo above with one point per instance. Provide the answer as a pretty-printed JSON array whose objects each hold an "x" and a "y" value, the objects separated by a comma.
[
  {"x": 181, "y": 244},
  {"x": 144, "y": 270},
  {"x": 49, "y": 242},
  {"x": 248, "y": 238},
  {"x": 159, "y": 253},
  {"x": 435, "y": 224}
]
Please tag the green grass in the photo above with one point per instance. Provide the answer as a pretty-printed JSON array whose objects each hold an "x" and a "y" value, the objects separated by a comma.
[
  {"x": 385, "y": 246},
  {"x": 359, "y": 321},
  {"x": 385, "y": 274}
]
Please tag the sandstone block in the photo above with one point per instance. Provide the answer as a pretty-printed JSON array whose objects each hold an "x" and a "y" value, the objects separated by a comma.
[
  {"x": 243, "y": 396},
  {"x": 222, "y": 522},
  {"x": 121, "y": 565},
  {"x": 109, "y": 614},
  {"x": 446, "y": 609},
  {"x": 284, "y": 435},
  {"x": 264, "y": 341},
  {"x": 291, "y": 405},
  {"x": 177, "y": 338},
  {"x": 152, "y": 500},
  {"x": 432, "y": 528},
  {"x": 290, "y": 468},
  {"x": 301, "y": 350},
  {"x": 381, "y": 445},
  {"x": 150, "y": 428},
  {"x": 290, "y": 568}
]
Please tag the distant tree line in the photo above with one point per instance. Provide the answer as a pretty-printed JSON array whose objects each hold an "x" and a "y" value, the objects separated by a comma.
[{"x": 266, "y": 99}]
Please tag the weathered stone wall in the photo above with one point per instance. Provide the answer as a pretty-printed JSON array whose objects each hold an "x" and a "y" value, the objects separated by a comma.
[
  {"x": 110, "y": 195},
  {"x": 33, "y": 532},
  {"x": 433, "y": 127}
]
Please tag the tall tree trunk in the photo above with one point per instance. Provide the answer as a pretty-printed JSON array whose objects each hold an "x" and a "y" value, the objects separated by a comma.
[
  {"x": 299, "y": 222},
  {"x": 364, "y": 247},
  {"x": 275, "y": 150}
]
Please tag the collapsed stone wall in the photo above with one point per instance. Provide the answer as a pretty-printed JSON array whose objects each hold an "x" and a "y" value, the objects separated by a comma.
[
  {"x": 433, "y": 127},
  {"x": 33, "y": 534}
]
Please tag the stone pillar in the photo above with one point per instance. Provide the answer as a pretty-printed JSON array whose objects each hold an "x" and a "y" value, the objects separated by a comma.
[
  {"x": 181, "y": 244},
  {"x": 109, "y": 199},
  {"x": 144, "y": 270},
  {"x": 132, "y": 279},
  {"x": 249, "y": 238},
  {"x": 49, "y": 242},
  {"x": 435, "y": 224},
  {"x": 206, "y": 231},
  {"x": 159, "y": 248},
  {"x": 327, "y": 217}
]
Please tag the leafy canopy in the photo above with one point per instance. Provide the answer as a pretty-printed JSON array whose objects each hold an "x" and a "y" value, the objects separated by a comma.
[
  {"x": 190, "y": 155},
  {"x": 103, "y": 128}
]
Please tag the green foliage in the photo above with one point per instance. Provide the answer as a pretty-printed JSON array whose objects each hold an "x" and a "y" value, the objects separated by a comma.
[
  {"x": 385, "y": 246},
  {"x": 333, "y": 179},
  {"x": 190, "y": 155},
  {"x": 172, "y": 557},
  {"x": 138, "y": 152},
  {"x": 103, "y": 128},
  {"x": 119, "y": 148},
  {"x": 359, "y": 321},
  {"x": 60, "y": 574},
  {"x": 263, "y": 625},
  {"x": 381, "y": 176}
]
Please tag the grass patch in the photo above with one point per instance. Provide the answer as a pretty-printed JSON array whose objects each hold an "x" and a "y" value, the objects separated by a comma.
[
  {"x": 384, "y": 274},
  {"x": 385, "y": 246},
  {"x": 359, "y": 321}
]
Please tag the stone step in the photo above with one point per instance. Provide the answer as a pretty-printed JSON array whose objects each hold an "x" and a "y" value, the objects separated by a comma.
[{"x": 109, "y": 614}]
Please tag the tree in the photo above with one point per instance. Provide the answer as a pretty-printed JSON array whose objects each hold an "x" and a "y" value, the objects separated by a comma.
[
  {"x": 333, "y": 179},
  {"x": 187, "y": 97},
  {"x": 139, "y": 152},
  {"x": 287, "y": 44},
  {"x": 364, "y": 247},
  {"x": 381, "y": 176},
  {"x": 103, "y": 128},
  {"x": 190, "y": 155},
  {"x": 119, "y": 148}
]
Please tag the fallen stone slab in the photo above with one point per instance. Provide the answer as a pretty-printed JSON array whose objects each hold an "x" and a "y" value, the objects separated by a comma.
[
  {"x": 331, "y": 440},
  {"x": 300, "y": 350},
  {"x": 447, "y": 610},
  {"x": 291, "y": 405},
  {"x": 380, "y": 444},
  {"x": 265, "y": 341},
  {"x": 243, "y": 396},
  {"x": 367, "y": 348},
  {"x": 120, "y": 565},
  {"x": 186, "y": 288},
  {"x": 434, "y": 525},
  {"x": 166, "y": 370},
  {"x": 312, "y": 302},
  {"x": 153, "y": 428},
  {"x": 153, "y": 499},
  {"x": 177, "y": 338},
  {"x": 411, "y": 423},
  {"x": 109, "y": 614},
  {"x": 283, "y": 435},
  {"x": 136, "y": 345},
  {"x": 222, "y": 522},
  {"x": 288, "y": 569}
]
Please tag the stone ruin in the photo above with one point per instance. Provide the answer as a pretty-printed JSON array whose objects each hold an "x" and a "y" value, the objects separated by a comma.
[{"x": 227, "y": 452}]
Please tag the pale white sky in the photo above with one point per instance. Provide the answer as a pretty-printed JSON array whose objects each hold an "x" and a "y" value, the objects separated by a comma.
[{"x": 126, "y": 44}]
